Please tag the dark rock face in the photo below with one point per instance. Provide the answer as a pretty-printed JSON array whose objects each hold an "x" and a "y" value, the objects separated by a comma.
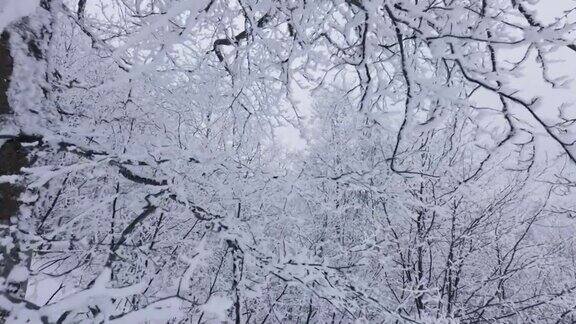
[
  {"x": 12, "y": 159},
  {"x": 12, "y": 154},
  {"x": 6, "y": 66}
]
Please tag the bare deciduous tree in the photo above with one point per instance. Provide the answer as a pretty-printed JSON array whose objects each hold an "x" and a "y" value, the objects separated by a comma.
[{"x": 141, "y": 169}]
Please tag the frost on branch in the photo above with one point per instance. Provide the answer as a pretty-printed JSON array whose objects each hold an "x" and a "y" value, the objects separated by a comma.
[{"x": 148, "y": 181}]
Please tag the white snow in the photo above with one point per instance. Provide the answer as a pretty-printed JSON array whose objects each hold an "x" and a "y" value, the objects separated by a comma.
[
  {"x": 18, "y": 274},
  {"x": 12, "y": 10},
  {"x": 217, "y": 307}
]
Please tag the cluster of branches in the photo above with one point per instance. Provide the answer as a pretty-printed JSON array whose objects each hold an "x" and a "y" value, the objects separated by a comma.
[{"x": 142, "y": 173}]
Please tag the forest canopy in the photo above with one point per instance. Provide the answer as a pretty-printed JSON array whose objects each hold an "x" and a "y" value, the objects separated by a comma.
[{"x": 287, "y": 161}]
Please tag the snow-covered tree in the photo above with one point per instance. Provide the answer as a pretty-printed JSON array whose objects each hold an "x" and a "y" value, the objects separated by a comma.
[{"x": 141, "y": 171}]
